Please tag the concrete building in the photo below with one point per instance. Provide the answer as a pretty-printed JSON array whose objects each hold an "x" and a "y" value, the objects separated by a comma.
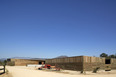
[
  {"x": 80, "y": 63},
  {"x": 24, "y": 62}
]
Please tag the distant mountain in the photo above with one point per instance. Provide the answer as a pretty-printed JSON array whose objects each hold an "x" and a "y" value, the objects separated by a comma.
[
  {"x": 28, "y": 58},
  {"x": 38, "y": 58},
  {"x": 2, "y": 59},
  {"x": 21, "y": 57},
  {"x": 62, "y": 56}
]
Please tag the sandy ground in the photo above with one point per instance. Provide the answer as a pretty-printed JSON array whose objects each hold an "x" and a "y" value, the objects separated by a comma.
[
  {"x": 4, "y": 74},
  {"x": 21, "y": 71}
]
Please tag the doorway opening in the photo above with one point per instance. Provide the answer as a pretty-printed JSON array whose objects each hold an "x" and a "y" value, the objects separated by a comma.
[
  {"x": 107, "y": 61},
  {"x": 40, "y": 62}
]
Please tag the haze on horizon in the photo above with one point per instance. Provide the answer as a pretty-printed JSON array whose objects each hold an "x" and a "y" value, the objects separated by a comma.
[{"x": 50, "y": 28}]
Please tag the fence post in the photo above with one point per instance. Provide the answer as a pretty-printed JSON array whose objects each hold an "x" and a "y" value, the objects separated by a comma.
[{"x": 4, "y": 68}]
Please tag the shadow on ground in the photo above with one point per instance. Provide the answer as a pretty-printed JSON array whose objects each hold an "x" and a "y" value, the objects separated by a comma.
[{"x": 2, "y": 73}]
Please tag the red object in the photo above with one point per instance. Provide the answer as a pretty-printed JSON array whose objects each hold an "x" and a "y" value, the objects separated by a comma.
[{"x": 47, "y": 66}]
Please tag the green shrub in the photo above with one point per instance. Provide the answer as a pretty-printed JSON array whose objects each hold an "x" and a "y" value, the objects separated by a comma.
[
  {"x": 96, "y": 69},
  {"x": 10, "y": 63}
]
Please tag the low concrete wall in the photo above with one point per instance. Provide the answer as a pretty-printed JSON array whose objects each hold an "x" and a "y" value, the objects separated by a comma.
[{"x": 35, "y": 65}]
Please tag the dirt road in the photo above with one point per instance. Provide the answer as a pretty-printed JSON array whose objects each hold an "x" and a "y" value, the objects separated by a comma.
[{"x": 24, "y": 72}]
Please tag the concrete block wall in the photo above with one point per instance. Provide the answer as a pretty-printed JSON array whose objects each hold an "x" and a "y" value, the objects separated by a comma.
[
  {"x": 69, "y": 63},
  {"x": 69, "y": 66},
  {"x": 90, "y": 63},
  {"x": 113, "y": 63},
  {"x": 24, "y": 62}
]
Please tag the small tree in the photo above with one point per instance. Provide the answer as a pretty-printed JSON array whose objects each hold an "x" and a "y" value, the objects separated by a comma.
[
  {"x": 10, "y": 63},
  {"x": 103, "y": 55},
  {"x": 115, "y": 55},
  {"x": 0, "y": 63},
  {"x": 5, "y": 62},
  {"x": 96, "y": 69},
  {"x": 112, "y": 56}
]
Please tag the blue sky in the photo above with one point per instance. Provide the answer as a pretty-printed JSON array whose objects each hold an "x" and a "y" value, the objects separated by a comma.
[{"x": 50, "y": 28}]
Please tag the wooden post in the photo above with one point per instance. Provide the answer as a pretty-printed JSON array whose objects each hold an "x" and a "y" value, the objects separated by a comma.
[{"x": 4, "y": 69}]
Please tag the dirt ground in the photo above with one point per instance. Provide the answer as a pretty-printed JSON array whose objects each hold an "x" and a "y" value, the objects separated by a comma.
[
  {"x": 22, "y": 71},
  {"x": 6, "y": 75}
]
